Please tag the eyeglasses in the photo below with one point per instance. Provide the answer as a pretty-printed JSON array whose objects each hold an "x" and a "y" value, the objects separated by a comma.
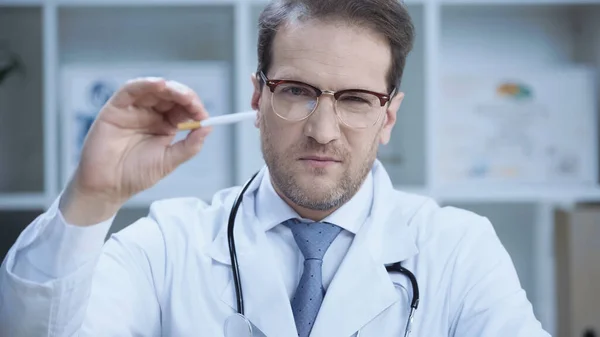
[{"x": 296, "y": 101}]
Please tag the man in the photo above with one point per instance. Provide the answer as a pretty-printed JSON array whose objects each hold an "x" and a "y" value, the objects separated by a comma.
[{"x": 314, "y": 231}]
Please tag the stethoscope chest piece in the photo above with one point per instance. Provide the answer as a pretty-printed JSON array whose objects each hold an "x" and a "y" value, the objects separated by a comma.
[{"x": 237, "y": 325}]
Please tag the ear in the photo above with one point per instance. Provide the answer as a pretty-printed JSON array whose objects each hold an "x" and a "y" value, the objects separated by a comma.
[
  {"x": 390, "y": 118},
  {"x": 256, "y": 98}
]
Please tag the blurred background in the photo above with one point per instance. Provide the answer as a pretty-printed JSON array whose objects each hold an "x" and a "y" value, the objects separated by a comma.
[{"x": 500, "y": 117}]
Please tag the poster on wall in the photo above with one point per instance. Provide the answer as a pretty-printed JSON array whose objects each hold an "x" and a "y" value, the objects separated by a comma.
[
  {"x": 85, "y": 88},
  {"x": 522, "y": 126}
]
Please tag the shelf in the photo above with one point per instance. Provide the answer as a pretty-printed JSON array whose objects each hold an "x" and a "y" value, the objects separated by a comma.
[
  {"x": 404, "y": 157},
  {"x": 175, "y": 3},
  {"x": 20, "y": 3},
  {"x": 143, "y": 3},
  {"x": 146, "y": 198},
  {"x": 412, "y": 189},
  {"x": 408, "y": 2},
  {"x": 167, "y": 2},
  {"x": 518, "y": 194},
  {"x": 21, "y": 103},
  {"x": 511, "y": 35},
  {"x": 23, "y": 201},
  {"x": 12, "y": 224},
  {"x": 104, "y": 34},
  {"x": 518, "y": 2}
]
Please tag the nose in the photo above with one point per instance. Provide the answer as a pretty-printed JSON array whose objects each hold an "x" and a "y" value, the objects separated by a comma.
[{"x": 323, "y": 124}]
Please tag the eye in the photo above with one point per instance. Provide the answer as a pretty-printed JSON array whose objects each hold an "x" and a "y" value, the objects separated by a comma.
[
  {"x": 357, "y": 98},
  {"x": 296, "y": 91},
  {"x": 354, "y": 99}
]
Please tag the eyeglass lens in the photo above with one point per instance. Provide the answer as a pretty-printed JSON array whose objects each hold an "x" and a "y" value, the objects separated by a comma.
[{"x": 294, "y": 101}]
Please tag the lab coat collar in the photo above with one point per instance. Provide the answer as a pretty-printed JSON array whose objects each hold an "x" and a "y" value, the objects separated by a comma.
[
  {"x": 389, "y": 233},
  {"x": 361, "y": 288}
]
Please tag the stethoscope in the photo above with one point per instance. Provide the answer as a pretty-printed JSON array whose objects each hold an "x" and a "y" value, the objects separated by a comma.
[{"x": 238, "y": 325}]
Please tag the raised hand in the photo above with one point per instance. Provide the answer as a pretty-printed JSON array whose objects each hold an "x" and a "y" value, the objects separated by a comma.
[{"x": 128, "y": 148}]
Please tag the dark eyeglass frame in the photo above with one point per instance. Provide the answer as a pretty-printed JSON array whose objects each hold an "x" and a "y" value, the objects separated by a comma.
[{"x": 274, "y": 83}]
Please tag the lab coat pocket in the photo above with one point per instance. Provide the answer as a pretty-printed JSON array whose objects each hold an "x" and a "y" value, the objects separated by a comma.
[{"x": 392, "y": 321}]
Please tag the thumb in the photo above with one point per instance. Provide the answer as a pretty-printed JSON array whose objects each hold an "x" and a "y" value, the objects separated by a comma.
[{"x": 180, "y": 152}]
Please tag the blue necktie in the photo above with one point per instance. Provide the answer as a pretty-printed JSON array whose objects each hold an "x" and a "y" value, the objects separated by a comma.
[{"x": 313, "y": 239}]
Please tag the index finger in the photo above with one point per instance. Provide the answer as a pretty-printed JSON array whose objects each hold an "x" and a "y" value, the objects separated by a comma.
[
  {"x": 185, "y": 97},
  {"x": 136, "y": 88},
  {"x": 139, "y": 88}
]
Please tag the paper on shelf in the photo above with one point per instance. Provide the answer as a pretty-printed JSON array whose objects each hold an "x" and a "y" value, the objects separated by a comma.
[{"x": 522, "y": 126}]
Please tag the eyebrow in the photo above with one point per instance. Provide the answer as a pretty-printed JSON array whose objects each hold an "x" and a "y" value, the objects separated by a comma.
[{"x": 292, "y": 75}]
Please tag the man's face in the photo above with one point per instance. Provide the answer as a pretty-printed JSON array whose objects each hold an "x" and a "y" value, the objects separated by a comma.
[{"x": 319, "y": 163}]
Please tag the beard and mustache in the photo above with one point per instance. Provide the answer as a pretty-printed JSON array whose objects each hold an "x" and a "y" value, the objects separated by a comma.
[{"x": 283, "y": 167}]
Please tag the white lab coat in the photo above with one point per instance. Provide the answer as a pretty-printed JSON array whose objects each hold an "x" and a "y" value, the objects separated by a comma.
[{"x": 169, "y": 275}]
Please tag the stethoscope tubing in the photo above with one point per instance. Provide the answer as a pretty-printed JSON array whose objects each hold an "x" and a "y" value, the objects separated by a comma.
[
  {"x": 397, "y": 267},
  {"x": 232, "y": 251}
]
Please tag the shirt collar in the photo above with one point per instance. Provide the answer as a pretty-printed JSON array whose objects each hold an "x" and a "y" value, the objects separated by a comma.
[{"x": 271, "y": 210}]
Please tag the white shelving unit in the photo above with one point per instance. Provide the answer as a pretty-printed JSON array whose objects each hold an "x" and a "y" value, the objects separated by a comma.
[{"x": 450, "y": 34}]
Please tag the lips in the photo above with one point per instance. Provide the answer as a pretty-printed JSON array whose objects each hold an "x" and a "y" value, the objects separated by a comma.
[{"x": 320, "y": 159}]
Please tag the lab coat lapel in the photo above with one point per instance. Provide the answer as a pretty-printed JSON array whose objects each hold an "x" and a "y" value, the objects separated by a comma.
[
  {"x": 359, "y": 291},
  {"x": 362, "y": 288},
  {"x": 266, "y": 301}
]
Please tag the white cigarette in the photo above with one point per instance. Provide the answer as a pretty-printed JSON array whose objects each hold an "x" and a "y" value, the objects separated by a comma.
[{"x": 218, "y": 120}]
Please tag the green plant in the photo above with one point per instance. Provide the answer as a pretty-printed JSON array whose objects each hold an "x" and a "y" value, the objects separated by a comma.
[{"x": 9, "y": 63}]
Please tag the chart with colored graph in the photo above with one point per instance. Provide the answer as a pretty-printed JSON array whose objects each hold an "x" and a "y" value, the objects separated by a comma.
[{"x": 529, "y": 126}]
